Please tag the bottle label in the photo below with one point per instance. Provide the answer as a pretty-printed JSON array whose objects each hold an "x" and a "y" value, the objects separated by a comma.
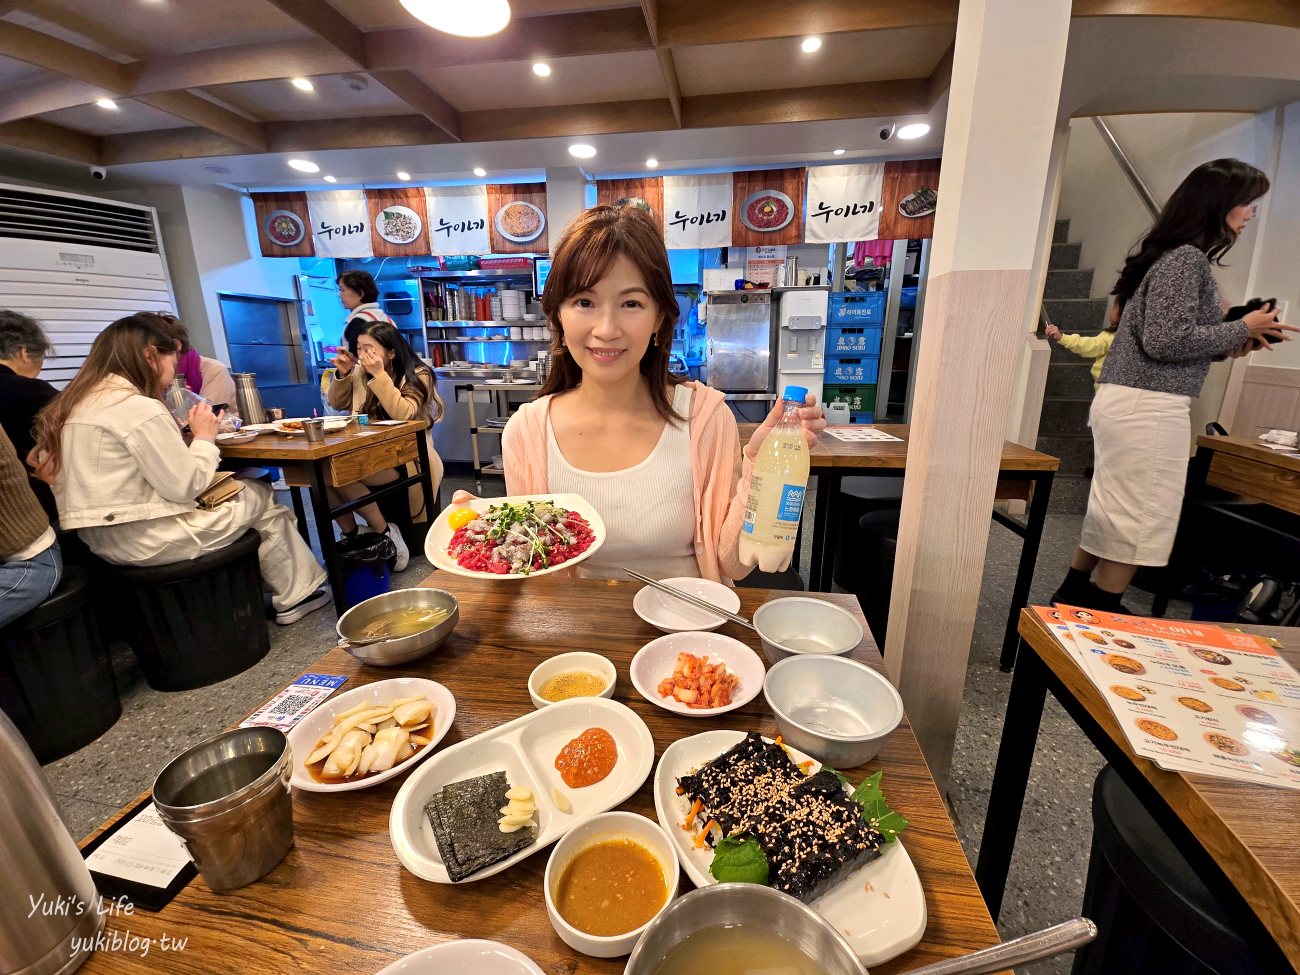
[
  {"x": 791, "y": 503},
  {"x": 772, "y": 518}
]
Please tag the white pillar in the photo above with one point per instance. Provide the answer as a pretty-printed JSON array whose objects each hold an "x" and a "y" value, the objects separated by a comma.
[
  {"x": 565, "y": 189},
  {"x": 1002, "y": 120}
]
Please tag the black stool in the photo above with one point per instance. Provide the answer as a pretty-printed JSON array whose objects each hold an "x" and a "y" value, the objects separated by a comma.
[
  {"x": 878, "y": 542},
  {"x": 1153, "y": 913},
  {"x": 198, "y": 622},
  {"x": 56, "y": 676},
  {"x": 790, "y": 580},
  {"x": 859, "y": 496}
]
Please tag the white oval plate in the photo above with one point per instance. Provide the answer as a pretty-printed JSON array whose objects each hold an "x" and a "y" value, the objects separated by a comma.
[
  {"x": 541, "y": 223},
  {"x": 234, "y": 439},
  {"x": 668, "y": 614},
  {"x": 439, "y": 536},
  {"x": 525, "y": 750},
  {"x": 470, "y": 957},
  {"x": 308, "y": 732},
  {"x": 656, "y": 660},
  {"x": 382, "y": 225},
  {"x": 880, "y": 923}
]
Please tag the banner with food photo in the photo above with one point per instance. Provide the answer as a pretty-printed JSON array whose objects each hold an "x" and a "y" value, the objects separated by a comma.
[
  {"x": 909, "y": 199},
  {"x": 458, "y": 219},
  {"x": 398, "y": 222},
  {"x": 697, "y": 211},
  {"x": 844, "y": 203},
  {"x": 282, "y": 220},
  {"x": 768, "y": 205},
  {"x": 340, "y": 223},
  {"x": 646, "y": 193},
  {"x": 518, "y": 218}
]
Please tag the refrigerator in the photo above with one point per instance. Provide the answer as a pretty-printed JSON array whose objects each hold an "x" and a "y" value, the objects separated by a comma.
[
  {"x": 402, "y": 300},
  {"x": 739, "y": 336},
  {"x": 263, "y": 336}
]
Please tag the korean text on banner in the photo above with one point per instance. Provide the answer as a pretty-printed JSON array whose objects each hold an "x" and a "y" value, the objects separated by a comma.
[
  {"x": 340, "y": 223},
  {"x": 844, "y": 203},
  {"x": 697, "y": 211},
  {"x": 458, "y": 219}
]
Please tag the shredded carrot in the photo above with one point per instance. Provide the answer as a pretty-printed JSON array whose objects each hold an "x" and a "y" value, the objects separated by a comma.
[
  {"x": 806, "y": 765},
  {"x": 778, "y": 740},
  {"x": 690, "y": 816},
  {"x": 699, "y": 839}
]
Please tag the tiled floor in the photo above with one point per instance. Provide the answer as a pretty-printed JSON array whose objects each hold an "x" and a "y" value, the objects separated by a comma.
[{"x": 1046, "y": 883}]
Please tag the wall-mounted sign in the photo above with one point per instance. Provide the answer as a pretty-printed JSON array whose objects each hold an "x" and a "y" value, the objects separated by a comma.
[
  {"x": 769, "y": 207},
  {"x": 844, "y": 203},
  {"x": 910, "y": 198},
  {"x": 398, "y": 220},
  {"x": 458, "y": 219},
  {"x": 697, "y": 211},
  {"x": 340, "y": 223},
  {"x": 282, "y": 220},
  {"x": 518, "y": 218}
]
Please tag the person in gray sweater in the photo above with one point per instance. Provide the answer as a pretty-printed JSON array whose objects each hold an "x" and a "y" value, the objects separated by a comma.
[{"x": 1171, "y": 329}]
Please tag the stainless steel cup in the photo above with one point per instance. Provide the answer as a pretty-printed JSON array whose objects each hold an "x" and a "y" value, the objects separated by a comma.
[
  {"x": 228, "y": 800},
  {"x": 274, "y": 413},
  {"x": 315, "y": 430}
]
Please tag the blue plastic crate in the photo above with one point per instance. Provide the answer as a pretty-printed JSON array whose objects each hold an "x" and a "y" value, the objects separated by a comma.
[
  {"x": 857, "y": 308},
  {"x": 862, "y": 418},
  {"x": 908, "y": 299},
  {"x": 852, "y": 368},
  {"x": 854, "y": 339}
]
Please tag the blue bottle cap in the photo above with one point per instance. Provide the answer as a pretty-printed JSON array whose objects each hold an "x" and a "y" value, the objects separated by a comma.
[{"x": 796, "y": 394}]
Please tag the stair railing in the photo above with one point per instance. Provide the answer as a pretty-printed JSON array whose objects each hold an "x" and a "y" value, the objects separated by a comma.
[{"x": 1126, "y": 165}]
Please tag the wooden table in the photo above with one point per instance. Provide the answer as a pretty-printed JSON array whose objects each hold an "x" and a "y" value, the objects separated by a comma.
[
  {"x": 340, "y": 901},
  {"x": 343, "y": 458},
  {"x": 1247, "y": 467},
  {"x": 1023, "y": 475},
  {"x": 1239, "y": 836}
]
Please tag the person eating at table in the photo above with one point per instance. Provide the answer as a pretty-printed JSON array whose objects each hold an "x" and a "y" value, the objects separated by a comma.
[
  {"x": 125, "y": 479},
  {"x": 203, "y": 375},
  {"x": 386, "y": 381},
  {"x": 659, "y": 457}
]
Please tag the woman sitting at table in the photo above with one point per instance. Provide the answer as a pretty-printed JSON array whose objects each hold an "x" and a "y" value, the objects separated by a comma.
[
  {"x": 207, "y": 377},
  {"x": 125, "y": 479},
  {"x": 386, "y": 381},
  {"x": 658, "y": 457}
]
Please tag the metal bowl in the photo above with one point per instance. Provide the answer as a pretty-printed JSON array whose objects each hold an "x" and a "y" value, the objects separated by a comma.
[
  {"x": 402, "y": 649},
  {"x": 837, "y": 710},
  {"x": 743, "y": 904},
  {"x": 797, "y": 625}
]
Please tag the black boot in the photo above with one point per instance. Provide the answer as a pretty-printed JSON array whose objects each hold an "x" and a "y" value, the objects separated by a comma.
[{"x": 1076, "y": 588}]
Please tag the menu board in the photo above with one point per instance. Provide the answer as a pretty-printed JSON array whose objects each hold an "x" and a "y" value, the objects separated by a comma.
[{"x": 1190, "y": 696}]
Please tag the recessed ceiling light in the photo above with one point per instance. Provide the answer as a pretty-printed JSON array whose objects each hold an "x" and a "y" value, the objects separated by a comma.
[
  {"x": 914, "y": 131},
  {"x": 652, "y": 163},
  {"x": 542, "y": 69},
  {"x": 330, "y": 179},
  {"x": 304, "y": 166},
  {"x": 107, "y": 103},
  {"x": 403, "y": 175},
  {"x": 477, "y": 19},
  {"x": 837, "y": 152},
  {"x": 580, "y": 150},
  {"x": 480, "y": 171},
  {"x": 303, "y": 84},
  {"x": 811, "y": 44}
]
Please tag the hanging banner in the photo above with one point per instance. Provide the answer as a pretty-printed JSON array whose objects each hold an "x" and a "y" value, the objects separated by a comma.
[
  {"x": 646, "y": 193},
  {"x": 518, "y": 218},
  {"x": 458, "y": 219},
  {"x": 909, "y": 199},
  {"x": 282, "y": 220},
  {"x": 340, "y": 223},
  {"x": 398, "y": 223},
  {"x": 768, "y": 205},
  {"x": 697, "y": 211},
  {"x": 844, "y": 203}
]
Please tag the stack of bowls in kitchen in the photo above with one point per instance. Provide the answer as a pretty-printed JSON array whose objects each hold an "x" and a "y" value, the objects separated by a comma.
[{"x": 512, "y": 305}]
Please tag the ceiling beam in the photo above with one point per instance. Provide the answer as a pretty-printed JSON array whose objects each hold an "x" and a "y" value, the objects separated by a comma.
[
  {"x": 825, "y": 103},
  {"x": 52, "y": 140},
  {"x": 940, "y": 79},
  {"x": 46, "y": 96},
  {"x": 524, "y": 39},
  {"x": 667, "y": 66},
  {"x": 1280, "y": 13},
  {"x": 201, "y": 112},
  {"x": 599, "y": 118},
  {"x": 695, "y": 22},
  {"x": 239, "y": 64},
  {"x": 326, "y": 22}
]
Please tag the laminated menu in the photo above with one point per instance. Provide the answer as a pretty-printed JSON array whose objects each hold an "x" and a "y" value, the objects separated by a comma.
[{"x": 1191, "y": 696}]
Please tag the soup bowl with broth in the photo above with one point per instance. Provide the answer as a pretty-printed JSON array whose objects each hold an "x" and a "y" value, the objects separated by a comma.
[
  {"x": 408, "y": 623},
  {"x": 570, "y": 675}
]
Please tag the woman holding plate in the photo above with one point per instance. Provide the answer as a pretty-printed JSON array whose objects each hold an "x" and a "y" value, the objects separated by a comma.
[{"x": 657, "y": 456}]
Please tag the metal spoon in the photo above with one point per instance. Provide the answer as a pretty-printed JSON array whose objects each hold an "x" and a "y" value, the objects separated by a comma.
[{"x": 1019, "y": 951}]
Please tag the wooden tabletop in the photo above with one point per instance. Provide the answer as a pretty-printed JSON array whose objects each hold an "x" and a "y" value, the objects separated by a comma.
[
  {"x": 341, "y": 902},
  {"x": 278, "y": 447},
  {"x": 831, "y": 451},
  {"x": 1251, "y": 450},
  {"x": 1248, "y": 829}
]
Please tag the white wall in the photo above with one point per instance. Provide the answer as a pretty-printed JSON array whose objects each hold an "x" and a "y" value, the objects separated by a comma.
[{"x": 1277, "y": 257}]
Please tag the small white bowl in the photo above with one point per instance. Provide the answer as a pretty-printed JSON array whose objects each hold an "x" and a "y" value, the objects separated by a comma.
[
  {"x": 608, "y": 826},
  {"x": 668, "y": 614},
  {"x": 335, "y": 423},
  {"x": 658, "y": 658},
  {"x": 800, "y": 625},
  {"x": 578, "y": 660}
]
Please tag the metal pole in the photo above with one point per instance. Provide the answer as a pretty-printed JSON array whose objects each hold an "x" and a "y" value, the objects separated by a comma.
[{"x": 1126, "y": 165}]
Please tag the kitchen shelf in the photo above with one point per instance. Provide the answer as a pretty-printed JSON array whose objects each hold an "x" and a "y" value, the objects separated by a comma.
[
  {"x": 475, "y": 340},
  {"x": 497, "y": 323},
  {"x": 479, "y": 274}
]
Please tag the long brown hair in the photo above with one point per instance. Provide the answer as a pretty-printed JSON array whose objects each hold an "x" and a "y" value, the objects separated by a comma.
[
  {"x": 592, "y": 241},
  {"x": 119, "y": 350},
  {"x": 406, "y": 371}
]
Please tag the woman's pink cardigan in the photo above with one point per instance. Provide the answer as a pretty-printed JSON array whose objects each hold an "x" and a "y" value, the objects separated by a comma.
[{"x": 719, "y": 470}]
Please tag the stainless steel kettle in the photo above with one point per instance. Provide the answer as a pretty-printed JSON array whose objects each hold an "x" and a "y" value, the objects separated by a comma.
[
  {"x": 49, "y": 908},
  {"x": 247, "y": 398}
]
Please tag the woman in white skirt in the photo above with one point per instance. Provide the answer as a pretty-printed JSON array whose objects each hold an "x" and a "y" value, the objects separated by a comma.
[{"x": 1172, "y": 328}]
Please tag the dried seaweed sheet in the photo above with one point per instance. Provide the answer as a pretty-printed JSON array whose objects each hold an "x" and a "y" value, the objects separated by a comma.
[
  {"x": 746, "y": 784},
  {"x": 464, "y": 819}
]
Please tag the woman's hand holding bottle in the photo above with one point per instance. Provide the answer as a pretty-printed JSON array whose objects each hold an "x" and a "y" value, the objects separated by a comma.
[
  {"x": 813, "y": 417},
  {"x": 204, "y": 423}
]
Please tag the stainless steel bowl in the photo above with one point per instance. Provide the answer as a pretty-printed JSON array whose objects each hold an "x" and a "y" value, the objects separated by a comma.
[
  {"x": 743, "y": 904},
  {"x": 837, "y": 710},
  {"x": 402, "y": 649},
  {"x": 797, "y": 625}
]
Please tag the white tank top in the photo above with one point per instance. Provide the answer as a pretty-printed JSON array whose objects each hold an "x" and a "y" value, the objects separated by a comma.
[{"x": 648, "y": 509}]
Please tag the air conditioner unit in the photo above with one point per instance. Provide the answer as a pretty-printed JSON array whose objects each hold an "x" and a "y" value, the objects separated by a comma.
[{"x": 77, "y": 264}]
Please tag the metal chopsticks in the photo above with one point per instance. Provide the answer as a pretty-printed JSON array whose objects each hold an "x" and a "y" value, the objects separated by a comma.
[{"x": 688, "y": 598}]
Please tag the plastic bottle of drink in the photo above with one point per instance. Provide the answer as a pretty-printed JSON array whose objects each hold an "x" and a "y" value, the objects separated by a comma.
[{"x": 776, "y": 490}]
